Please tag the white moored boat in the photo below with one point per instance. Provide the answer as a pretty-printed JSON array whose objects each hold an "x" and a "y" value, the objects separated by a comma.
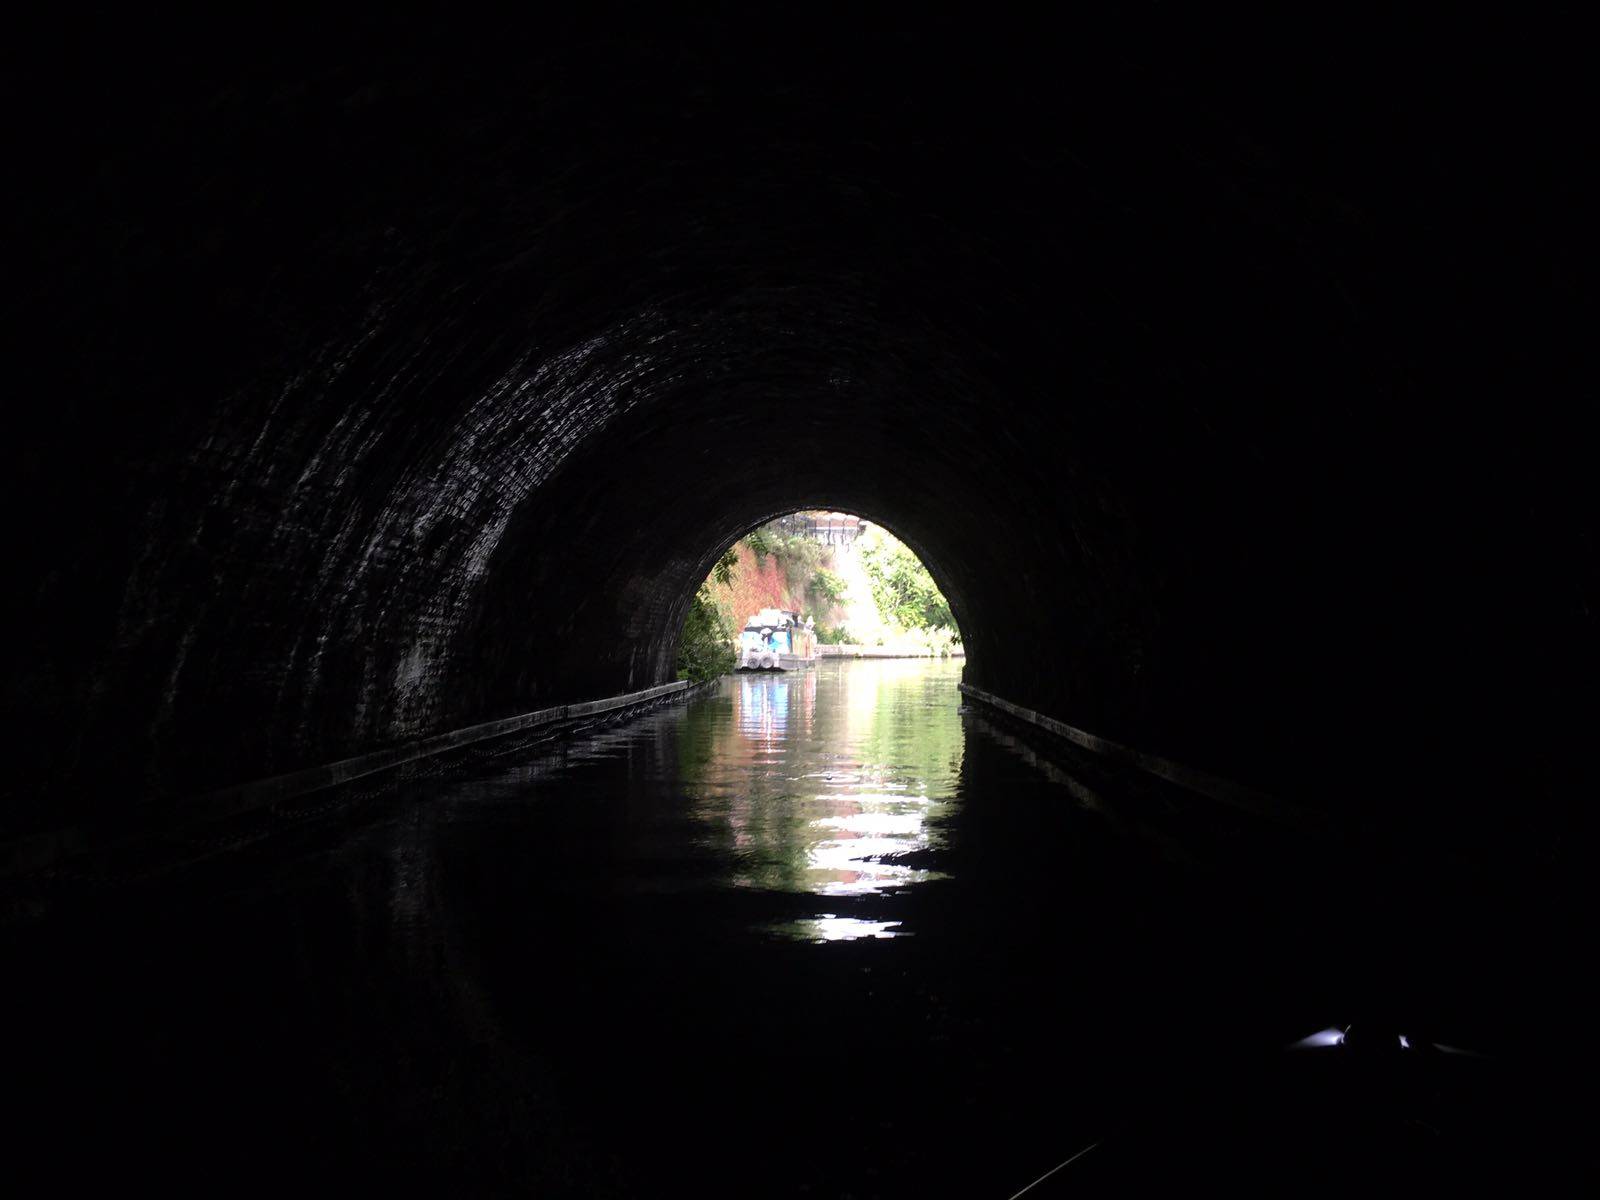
[{"x": 777, "y": 639}]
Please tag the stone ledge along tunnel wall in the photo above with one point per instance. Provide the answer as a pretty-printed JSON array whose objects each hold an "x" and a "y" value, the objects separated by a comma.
[{"x": 383, "y": 384}]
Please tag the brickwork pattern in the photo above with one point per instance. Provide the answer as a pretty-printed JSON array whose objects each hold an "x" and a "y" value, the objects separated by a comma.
[{"x": 366, "y": 400}]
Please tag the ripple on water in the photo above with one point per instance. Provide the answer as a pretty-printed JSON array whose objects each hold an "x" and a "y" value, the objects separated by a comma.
[{"x": 827, "y": 782}]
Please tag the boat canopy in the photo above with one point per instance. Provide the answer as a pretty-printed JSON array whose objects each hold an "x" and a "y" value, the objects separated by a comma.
[{"x": 772, "y": 618}]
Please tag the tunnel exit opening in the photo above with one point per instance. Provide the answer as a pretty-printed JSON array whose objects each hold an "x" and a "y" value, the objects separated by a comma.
[{"x": 813, "y": 584}]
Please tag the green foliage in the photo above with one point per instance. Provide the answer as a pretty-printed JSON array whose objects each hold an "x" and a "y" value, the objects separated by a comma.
[
  {"x": 833, "y": 637},
  {"x": 827, "y": 587},
  {"x": 904, "y": 591},
  {"x": 800, "y": 556},
  {"x": 706, "y": 648},
  {"x": 723, "y": 570},
  {"x": 762, "y": 543}
]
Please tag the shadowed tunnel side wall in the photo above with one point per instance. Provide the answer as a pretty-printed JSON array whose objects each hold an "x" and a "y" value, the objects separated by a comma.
[{"x": 373, "y": 397}]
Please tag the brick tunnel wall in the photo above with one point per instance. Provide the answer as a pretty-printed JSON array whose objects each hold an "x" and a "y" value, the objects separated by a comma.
[{"x": 374, "y": 382}]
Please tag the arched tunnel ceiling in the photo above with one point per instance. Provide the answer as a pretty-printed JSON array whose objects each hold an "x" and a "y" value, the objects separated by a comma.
[{"x": 381, "y": 386}]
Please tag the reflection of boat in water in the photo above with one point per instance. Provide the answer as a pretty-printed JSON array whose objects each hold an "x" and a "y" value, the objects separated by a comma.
[{"x": 777, "y": 639}]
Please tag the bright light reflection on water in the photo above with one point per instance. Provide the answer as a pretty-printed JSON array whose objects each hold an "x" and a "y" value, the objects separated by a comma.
[
  {"x": 828, "y": 782},
  {"x": 829, "y": 928}
]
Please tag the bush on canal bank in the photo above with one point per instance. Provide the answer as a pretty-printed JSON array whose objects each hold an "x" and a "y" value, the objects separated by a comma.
[{"x": 705, "y": 650}]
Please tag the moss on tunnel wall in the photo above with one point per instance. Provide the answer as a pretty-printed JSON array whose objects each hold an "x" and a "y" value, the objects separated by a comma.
[{"x": 378, "y": 391}]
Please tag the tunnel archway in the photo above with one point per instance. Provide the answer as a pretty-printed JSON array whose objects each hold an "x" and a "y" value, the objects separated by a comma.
[
  {"x": 341, "y": 464},
  {"x": 382, "y": 391},
  {"x": 943, "y": 573},
  {"x": 844, "y": 577}
]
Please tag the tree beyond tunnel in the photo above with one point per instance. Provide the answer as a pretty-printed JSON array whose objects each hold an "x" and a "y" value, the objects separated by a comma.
[
  {"x": 846, "y": 582},
  {"x": 381, "y": 387}
]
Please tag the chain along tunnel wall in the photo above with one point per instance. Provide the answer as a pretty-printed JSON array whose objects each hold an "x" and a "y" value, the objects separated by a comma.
[{"x": 380, "y": 383}]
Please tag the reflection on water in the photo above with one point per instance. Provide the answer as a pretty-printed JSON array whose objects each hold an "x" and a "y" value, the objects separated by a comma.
[
  {"x": 832, "y": 928},
  {"x": 828, "y": 781},
  {"x": 669, "y": 958}
]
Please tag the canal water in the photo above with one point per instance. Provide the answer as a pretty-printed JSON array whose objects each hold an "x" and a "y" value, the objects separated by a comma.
[{"x": 817, "y": 934}]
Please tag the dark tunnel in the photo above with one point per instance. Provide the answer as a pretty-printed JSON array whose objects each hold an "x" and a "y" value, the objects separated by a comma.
[
  {"x": 379, "y": 383},
  {"x": 376, "y": 398}
]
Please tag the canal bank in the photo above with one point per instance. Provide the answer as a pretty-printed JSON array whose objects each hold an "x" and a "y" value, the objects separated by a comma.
[{"x": 847, "y": 650}]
